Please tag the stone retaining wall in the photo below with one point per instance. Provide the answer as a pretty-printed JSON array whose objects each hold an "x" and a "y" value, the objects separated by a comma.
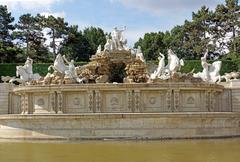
[
  {"x": 5, "y": 90},
  {"x": 120, "y": 126}
]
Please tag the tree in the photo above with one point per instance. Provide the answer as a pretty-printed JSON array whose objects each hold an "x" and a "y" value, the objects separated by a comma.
[
  {"x": 152, "y": 44},
  {"x": 31, "y": 38},
  {"x": 174, "y": 40},
  {"x": 226, "y": 26},
  {"x": 196, "y": 33},
  {"x": 57, "y": 29},
  {"x": 75, "y": 45},
  {"x": 8, "y": 51},
  {"x": 95, "y": 37}
]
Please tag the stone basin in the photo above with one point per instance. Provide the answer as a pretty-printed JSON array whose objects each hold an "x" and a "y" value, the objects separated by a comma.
[{"x": 121, "y": 98}]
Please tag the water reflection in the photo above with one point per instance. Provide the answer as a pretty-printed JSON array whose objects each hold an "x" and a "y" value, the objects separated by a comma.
[{"x": 221, "y": 150}]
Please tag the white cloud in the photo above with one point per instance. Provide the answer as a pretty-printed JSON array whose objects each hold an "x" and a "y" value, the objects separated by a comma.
[
  {"x": 55, "y": 14},
  {"x": 29, "y": 4},
  {"x": 160, "y": 6}
]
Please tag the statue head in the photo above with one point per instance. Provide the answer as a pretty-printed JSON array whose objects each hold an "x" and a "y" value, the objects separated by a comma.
[
  {"x": 139, "y": 49},
  {"x": 29, "y": 60},
  {"x": 170, "y": 52},
  {"x": 72, "y": 61}
]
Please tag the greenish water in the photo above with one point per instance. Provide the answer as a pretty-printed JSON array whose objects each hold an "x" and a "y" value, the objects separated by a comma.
[{"x": 220, "y": 150}]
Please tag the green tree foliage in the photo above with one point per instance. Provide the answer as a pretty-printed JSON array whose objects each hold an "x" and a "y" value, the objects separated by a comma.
[
  {"x": 57, "y": 29},
  {"x": 218, "y": 31},
  {"x": 75, "y": 45},
  {"x": 95, "y": 37},
  {"x": 152, "y": 44},
  {"x": 8, "y": 51},
  {"x": 226, "y": 26},
  {"x": 196, "y": 33},
  {"x": 30, "y": 37}
]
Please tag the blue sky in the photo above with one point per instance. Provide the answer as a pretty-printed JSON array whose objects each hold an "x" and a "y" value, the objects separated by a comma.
[{"x": 140, "y": 16}]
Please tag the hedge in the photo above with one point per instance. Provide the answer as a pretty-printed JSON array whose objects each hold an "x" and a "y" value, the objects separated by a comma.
[
  {"x": 9, "y": 69},
  {"x": 227, "y": 66}
]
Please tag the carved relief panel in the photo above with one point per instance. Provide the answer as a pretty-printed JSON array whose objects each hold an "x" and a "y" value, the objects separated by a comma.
[
  {"x": 76, "y": 102},
  {"x": 191, "y": 101},
  {"x": 40, "y": 103},
  {"x": 114, "y": 101},
  {"x": 154, "y": 101}
]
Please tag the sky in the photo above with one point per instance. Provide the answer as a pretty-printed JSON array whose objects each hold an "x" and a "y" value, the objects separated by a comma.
[{"x": 140, "y": 16}]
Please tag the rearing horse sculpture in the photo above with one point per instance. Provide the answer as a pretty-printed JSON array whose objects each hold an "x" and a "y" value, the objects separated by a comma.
[{"x": 58, "y": 65}]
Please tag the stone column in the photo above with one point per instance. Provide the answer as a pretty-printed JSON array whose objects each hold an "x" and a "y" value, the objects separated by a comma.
[
  {"x": 52, "y": 100},
  {"x": 59, "y": 105},
  {"x": 137, "y": 101},
  {"x": 98, "y": 101},
  {"x": 91, "y": 100},
  {"x": 169, "y": 100},
  {"x": 30, "y": 103},
  {"x": 129, "y": 94},
  {"x": 26, "y": 102},
  {"x": 210, "y": 100},
  {"x": 176, "y": 100}
]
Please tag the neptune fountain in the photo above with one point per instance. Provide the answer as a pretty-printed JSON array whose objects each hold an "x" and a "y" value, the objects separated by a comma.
[{"x": 87, "y": 101}]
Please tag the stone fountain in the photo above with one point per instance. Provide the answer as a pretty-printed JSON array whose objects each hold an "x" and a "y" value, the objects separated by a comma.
[{"x": 95, "y": 101}]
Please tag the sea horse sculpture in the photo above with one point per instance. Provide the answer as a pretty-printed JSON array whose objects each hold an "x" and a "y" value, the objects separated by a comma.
[{"x": 211, "y": 72}]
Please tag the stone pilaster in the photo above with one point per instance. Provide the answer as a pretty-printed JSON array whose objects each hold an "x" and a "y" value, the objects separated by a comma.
[
  {"x": 130, "y": 100},
  {"x": 30, "y": 103},
  {"x": 176, "y": 100},
  {"x": 91, "y": 100},
  {"x": 98, "y": 101},
  {"x": 169, "y": 100},
  {"x": 52, "y": 100},
  {"x": 59, "y": 105},
  {"x": 137, "y": 101},
  {"x": 24, "y": 103}
]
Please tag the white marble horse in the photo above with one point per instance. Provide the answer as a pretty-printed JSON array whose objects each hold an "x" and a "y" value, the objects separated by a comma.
[
  {"x": 58, "y": 65},
  {"x": 211, "y": 72},
  {"x": 24, "y": 76}
]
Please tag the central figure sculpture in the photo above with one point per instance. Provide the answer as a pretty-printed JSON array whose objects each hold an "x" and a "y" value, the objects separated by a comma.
[{"x": 117, "y": 42}]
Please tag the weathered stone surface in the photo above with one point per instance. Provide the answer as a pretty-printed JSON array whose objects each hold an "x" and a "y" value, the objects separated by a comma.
[
  {"x": 128, "y": 126},
  {"x": 121, "y": 98}
]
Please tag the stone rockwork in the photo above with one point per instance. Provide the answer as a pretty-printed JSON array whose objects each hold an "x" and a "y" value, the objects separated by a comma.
[
  {"x": 136, "y": 72},
  {"x": 100, "y": 68}
]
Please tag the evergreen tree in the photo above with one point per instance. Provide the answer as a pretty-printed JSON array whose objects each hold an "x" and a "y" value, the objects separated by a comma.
[
  {"x": 95, "y": 37},
  {"x": 225, "y": 30},
  {"x": 31, "y": 37},
  {"x": 152, "y": 44},
  {"x": 196, "y": 33},
  {"x": 75, "y": 45},
  {"x": 57, "y": 30},
  {"x": 8, "y": 51}
]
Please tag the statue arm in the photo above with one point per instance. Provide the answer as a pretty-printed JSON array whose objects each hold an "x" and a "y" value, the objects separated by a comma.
[
  {"x": 162, "y": 55},
  {"x": 64, "y": 58}
]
